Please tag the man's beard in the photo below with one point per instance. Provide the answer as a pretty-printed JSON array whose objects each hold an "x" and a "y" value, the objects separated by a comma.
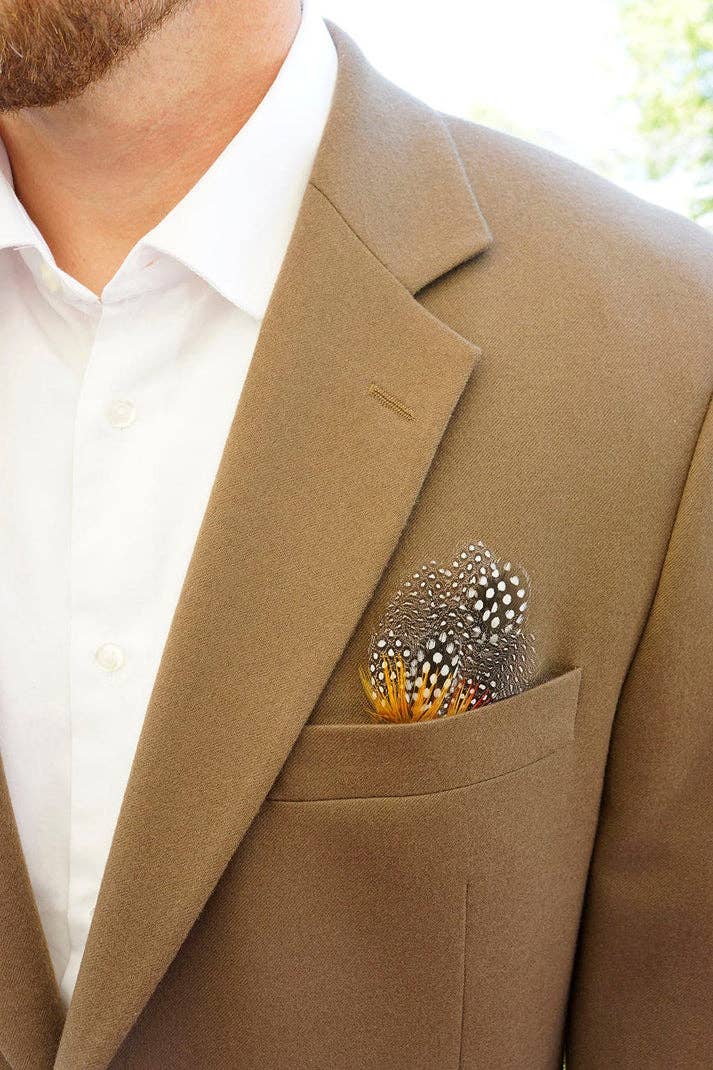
[{"x": 51, "y": 50}]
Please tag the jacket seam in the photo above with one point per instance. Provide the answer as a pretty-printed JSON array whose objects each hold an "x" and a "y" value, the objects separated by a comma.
[
  {"x": 664, "y": 559},
  {"x": 618, "y": 703},
  {"x": 464, "y": 977},
  {"x": 359, "y": 238}
]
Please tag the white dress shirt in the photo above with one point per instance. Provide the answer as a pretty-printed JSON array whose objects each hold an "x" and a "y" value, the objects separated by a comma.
[{"x": 114, "y": 412}]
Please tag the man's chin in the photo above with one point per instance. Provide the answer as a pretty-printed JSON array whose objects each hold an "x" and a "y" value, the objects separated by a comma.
[
  {"x": 21, "y": 95},
  {"x": 52, "y": 50}
]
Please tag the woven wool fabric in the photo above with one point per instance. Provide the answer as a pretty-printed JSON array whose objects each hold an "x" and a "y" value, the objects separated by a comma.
[{"x": 292, "y": 886}]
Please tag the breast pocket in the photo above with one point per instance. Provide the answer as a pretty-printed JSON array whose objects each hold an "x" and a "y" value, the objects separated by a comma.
[
  {"x": 415, "y": 881},
  {"x": 341, "y": 761}
]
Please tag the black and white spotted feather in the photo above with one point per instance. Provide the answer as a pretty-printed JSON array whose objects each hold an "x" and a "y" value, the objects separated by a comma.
[{"x": 465, "y": 622}]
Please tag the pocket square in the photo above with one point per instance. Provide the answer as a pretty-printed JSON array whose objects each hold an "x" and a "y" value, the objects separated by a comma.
[{"x": 451, "y": 640}]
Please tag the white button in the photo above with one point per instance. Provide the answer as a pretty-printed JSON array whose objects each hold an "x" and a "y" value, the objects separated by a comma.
[
  {"x": 121, "y": 413},
  {"x": 50, "y": 278},
  {"x": 110, "y": 657}
]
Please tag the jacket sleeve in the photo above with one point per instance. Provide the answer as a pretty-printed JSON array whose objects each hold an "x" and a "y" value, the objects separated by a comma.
[{"x": 642, "y": 989}]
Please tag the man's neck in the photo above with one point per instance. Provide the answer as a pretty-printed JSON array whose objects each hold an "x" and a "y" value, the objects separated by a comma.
[{"x": 98, "y": 172}]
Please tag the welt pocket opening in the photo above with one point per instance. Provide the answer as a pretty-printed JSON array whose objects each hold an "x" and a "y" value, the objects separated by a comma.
[{"x": 351, "y": 761}]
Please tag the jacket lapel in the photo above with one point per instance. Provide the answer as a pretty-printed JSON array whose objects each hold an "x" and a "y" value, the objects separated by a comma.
[
  {"x": 348, "y": 394},
  {"x": 31, "y": 1011}
]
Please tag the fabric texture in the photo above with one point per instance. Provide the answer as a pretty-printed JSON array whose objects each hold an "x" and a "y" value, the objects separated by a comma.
[{"x": 290, "y": 885}]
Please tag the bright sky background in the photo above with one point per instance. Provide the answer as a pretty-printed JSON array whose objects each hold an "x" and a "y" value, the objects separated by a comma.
[{"x": 552, "y": 71}]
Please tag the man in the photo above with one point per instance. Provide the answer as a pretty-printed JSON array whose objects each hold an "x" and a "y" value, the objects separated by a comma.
[{"x": 272, "y": 335}]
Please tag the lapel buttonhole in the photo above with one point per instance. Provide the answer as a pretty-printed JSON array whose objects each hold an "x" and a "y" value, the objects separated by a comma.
[{"x": 390, "y": 402}]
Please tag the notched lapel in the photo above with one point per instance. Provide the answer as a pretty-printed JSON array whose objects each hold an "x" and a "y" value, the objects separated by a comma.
[{"x": 316, "y": 483}]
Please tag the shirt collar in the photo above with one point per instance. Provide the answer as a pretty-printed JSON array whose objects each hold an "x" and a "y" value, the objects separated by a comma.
[
  {"x": 233, "y": 227},
  {"x": 16, "y": 228}
]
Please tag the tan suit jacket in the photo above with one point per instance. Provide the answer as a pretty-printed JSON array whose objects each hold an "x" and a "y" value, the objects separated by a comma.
[{"x": 470, "y": 338}]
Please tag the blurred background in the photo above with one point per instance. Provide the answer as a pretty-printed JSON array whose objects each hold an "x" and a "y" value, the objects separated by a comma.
[{"x": 623, "y": 86}]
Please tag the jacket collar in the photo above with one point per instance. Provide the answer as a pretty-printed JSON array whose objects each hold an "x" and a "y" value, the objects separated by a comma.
[
  {"x": 388, "y": 165},
  {"x": 288, "y": 555}
]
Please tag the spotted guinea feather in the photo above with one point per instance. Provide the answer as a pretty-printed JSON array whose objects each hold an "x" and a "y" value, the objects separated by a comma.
[{"x": 452, "y": 639}]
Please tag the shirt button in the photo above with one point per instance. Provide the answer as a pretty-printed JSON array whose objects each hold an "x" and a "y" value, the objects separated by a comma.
[
  {"x": 110, "y": 657},
  {"x": 50, "y": 278},
  {"x": 121, "y": 413}
]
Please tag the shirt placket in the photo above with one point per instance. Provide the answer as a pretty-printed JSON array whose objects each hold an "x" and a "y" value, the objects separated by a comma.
[{"x": 101, "y": 646}]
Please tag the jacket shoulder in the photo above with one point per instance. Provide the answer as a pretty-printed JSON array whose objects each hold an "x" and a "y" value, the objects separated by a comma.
[{"x": 521, "y": 185}]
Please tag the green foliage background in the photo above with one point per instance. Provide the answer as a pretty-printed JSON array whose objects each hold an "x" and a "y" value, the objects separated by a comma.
[{"x": 671, "y": 44}]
